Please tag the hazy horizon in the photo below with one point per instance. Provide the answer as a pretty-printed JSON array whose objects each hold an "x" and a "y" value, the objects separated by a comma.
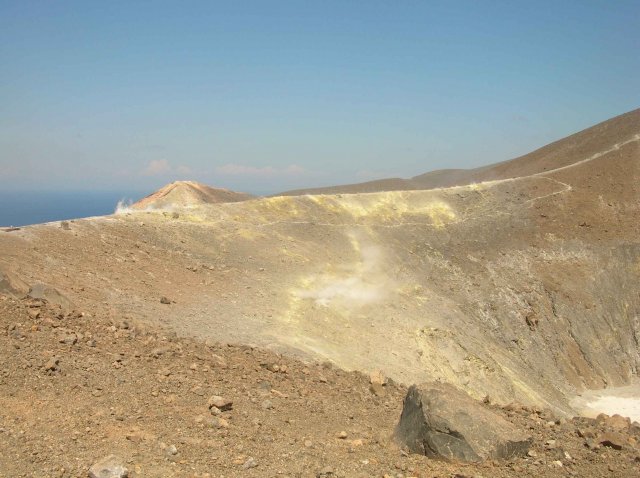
[{"x": 264, "y": 98}]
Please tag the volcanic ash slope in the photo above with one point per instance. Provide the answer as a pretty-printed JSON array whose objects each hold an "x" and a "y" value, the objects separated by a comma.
[{"x": 518, "y": 288}]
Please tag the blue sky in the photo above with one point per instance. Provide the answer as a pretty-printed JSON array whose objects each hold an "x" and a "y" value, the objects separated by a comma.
[{"x": 270, "y": 95}]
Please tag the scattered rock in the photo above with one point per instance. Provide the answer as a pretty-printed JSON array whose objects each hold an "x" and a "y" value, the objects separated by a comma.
[
  {"x": 137, "y": 436},
  {"x": 250, "y": 463},
  {"x": 377, "y": 377},
  {"x": 69, "y": 339},
  {"x": 612, "y": 440},
  {"x": 591, "y": 444},
  {"x": 221, "y": 403},
  {"x": 267, "y": 404},
  {"x": 326, "y": 471},
  {"x": 165, "y": 372},
  {"x": 171, "y": 450},
  {"x": 617, "y": 422},
  {"x": 15, "y": 331},
  {"x": 219, "y": 422},
  {"x": 439, "y": 420},
  {"x": 250, "y": 427},
  {"x": 51, "y": 365},
  {"x": 585, "y": 433},
  {"x": 271, "y": 367},
  {"x": 165, "y": 300},
  {"x": 218, "y": 361},
  {"x": 278, "y": 393},
  {"x": 377, "y": 389},
  {"x": 158, "y": 352},
  {"x": 108, "y": 467},
  {"x": 34, "y": 313}
]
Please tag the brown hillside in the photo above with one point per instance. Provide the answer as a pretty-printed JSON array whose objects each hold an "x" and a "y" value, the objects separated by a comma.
[
  {"x": 188, "y": 193},
  {"x": 561, "y": 153}
]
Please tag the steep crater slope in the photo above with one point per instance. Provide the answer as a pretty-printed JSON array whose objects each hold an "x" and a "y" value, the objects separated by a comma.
[{"x": 521, "y": 289}]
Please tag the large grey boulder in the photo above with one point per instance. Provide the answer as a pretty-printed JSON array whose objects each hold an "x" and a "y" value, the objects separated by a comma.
[{"x": 441, "y": 421}]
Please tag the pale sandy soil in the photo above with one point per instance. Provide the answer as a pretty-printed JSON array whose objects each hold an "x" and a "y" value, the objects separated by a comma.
[{"x": 623, "y": 401}]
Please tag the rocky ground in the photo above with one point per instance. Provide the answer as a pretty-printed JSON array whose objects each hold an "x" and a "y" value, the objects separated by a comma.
[{"x": 78, "y": 386}]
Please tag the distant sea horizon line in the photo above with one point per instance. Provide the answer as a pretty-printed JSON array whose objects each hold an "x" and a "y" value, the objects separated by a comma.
[{"x": 27, "y": 207}]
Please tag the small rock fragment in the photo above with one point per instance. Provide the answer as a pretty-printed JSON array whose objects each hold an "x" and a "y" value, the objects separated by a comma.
[
  {"x": 221, "y": 403},
  {"x": 34, "y": 313},
  {"x": 219, "y": 422},
  {"x": 70, "y": 339},
  {"x": 218, "y": 361},
  {"x": 617, "y": 422},
  {"x": 171, "y": 450},
  {"x": 377, "y": 377},
  {"x": 612, "y": 440},
  {"x": 377, "y": 389},
  {"x": 326, "y": 471},
  {"x": 591, "y": 444},
  {"x": 250, "y": 463},
  {"x": 585, "y": 433},
  {"x": 52, "y": 365},
  {"x": 273, "y": 367},
  {"x": 165, "y": 372},
  {"x": 108, "y": 467}
]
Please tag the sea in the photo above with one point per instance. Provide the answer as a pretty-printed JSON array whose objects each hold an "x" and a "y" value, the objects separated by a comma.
[{"x": 22, "y": 208}]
